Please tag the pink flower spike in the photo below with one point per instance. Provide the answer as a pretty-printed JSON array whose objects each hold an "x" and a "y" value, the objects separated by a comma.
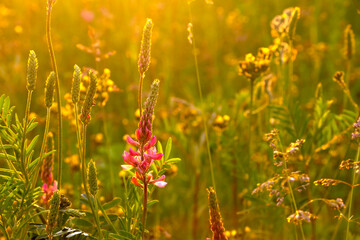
[
  {"x": 151, "y": 143},
  {"x": 132, "y": 141},
  {"x": 127, "y": 167},
  {"x": 135, "y": 181},
  {"x": 160, "y": 184}
]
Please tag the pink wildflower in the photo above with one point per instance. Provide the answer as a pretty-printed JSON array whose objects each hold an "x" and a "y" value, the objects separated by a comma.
[{"x": 146, "y": 153}]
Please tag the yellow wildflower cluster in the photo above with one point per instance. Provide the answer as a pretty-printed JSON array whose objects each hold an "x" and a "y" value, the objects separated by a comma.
[
  {"x": 284, "y": 24},
  {"x": 253, "y": 67},
  {"x": 221, "y": 122}
]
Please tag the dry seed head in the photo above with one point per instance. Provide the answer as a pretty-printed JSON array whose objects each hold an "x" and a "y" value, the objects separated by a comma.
[
  {"x": 32, "y": 67},
  {"x": 49, "y": 89},
  {"x": 53, "y": 213},
  {"x": 145, "y": 48},
  {"x": 89, "y": 99},
  {"x": 75, "y": 88},
  {"x": 339, "y": 78},
  {"x": 295, "y": 15},
  {"x": 92, "y": 178},
  {"x": 349, "y": 48}
]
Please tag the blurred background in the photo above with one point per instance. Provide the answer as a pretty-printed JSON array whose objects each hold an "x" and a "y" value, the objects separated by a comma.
[{"x": 105, "y": 36}]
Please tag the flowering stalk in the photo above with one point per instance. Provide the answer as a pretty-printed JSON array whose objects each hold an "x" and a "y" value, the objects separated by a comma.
[
  {"x": 49, "y": 92},
  {"x": 355, "y": 135},
  {"x": 32, "y": 68},
  {"x": 201, "y": 100},
  {"x": 146, "y": 154},
  {"x": 49, "y": 185},
  {"x": 215, "y": 216},
  {"x": 85, "y": 119},
  {"x": 53, "y": 213},
  {"x": 50, "y": 4}
]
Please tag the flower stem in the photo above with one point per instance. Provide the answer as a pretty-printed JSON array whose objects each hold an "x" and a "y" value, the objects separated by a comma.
[
  {"x": 293, "y": 199},
  {"x": 83, "y": 171},
  {"x": 140, "y": 92},
  {"x": 106, "y": 216},
  {"x": 144, "y": 207},
  {"x": 23, "y": 149},
  {"x": 54, "y": 67},
  {"x": 202, "y": 103},
  {"x": 46, "y": 131},
  {"x": 351, "y": 195}
]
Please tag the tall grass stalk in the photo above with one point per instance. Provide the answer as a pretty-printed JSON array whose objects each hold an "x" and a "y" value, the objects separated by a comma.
[
  {"x": 202, "y": 102},
  {"x": 83, "y": 172},
  {"x": 23, "y": 150},
  {"x": 58, "y": 95},
  {"x": 351, "y": 195}
]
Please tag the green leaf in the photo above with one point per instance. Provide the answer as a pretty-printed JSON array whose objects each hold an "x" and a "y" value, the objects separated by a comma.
[
  {"x": 173, "y": 160},
  {"x": 149, "y": 204},
  {"x": 31, "y": 146},
  {"x": 168, "y": 148},
  {"x": 122, "y": 235},
  {"x": 81, "y": 222},
  {"x": 112, "y": 204}
]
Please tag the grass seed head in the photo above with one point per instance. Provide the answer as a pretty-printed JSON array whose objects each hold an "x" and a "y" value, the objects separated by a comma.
[
  {"x": 145, "y": 48},
  {"x": 53, "y": 213},
  {"x": 92, "y": 178},
  {"x": 89, "y": 99},
  {"x": 32, "y": 67},
  {"x": 75, "y": 88},
  {"x": 49, "y": 89}
]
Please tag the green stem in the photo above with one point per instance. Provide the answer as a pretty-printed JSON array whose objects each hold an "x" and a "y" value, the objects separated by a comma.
[
  {"x": 293, "y": 198},
  {"x": 202, "y": 104},
  {"x": 144, "y": 208},
  {"x": 83, "y": 171},
  {"x": 351, "y": 195},
  {"x": 140, "y": 92},
  {"x": 23, "y": 150},
  {"x": 58, "y": 95},
  {"x": 106, "y": 216},
  {"x": 250, "y": 114},
  {"x": 108, "y": 155},
  {"x": 46, "y": 131}
]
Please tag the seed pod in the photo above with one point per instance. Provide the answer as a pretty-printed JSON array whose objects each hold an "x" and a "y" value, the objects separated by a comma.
[
  {"x": 53, "y": 213},
  {"x": 145, "y": 48},
  {"x": 215, "y": 217},
  {"x": 92, "y": 178},
  {"x": 89, "y": 99},
  {"x": 349, "y": 48},
  {"x": 295, "y": 15},
  {"x": 49, "y": 90},
  {"x": 32, "y": 67},
  {"x": 75, "y": 88}
]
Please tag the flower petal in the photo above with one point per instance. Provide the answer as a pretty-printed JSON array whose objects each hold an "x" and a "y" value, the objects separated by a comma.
[
  {"x": 127, "y": 167},
  {"x": 160, "y": 184}
]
